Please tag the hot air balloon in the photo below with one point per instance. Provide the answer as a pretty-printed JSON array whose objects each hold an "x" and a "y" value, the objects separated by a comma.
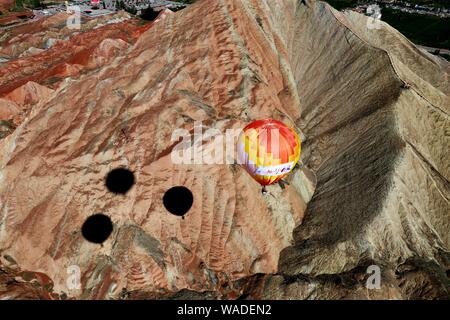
[{"x": 268, "y": 149}]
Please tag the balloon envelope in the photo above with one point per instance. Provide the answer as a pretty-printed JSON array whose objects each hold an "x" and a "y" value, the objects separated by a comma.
[{"x": 269, "y": 150}]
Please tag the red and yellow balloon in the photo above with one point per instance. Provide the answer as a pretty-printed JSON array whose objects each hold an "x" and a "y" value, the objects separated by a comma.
[{"x": 268, "y": 149}]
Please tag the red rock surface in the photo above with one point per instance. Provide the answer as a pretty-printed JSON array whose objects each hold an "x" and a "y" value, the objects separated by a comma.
[
  {"x": 34, "y": 70},
  {"x": 29, "y": 93},
  {"x": 52, "y": 62},
  {"x": 372, "y": 188},
  {"x": 6, "y": 5},
  {"x": 8, "y": 109}
]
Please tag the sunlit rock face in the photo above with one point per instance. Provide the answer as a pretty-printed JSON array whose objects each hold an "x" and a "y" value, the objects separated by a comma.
[
  {"x": 6, "y": 4},
  {"x": 372, "y": 187}
]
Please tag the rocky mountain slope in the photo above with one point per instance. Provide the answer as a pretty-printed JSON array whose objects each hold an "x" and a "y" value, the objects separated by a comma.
[
  {"x": 6, "y": 5},
  {"x": 373, "y": 186}
]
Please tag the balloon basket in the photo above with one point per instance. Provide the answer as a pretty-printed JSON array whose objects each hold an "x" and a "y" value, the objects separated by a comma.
[{"x": 264, "y": 190}]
